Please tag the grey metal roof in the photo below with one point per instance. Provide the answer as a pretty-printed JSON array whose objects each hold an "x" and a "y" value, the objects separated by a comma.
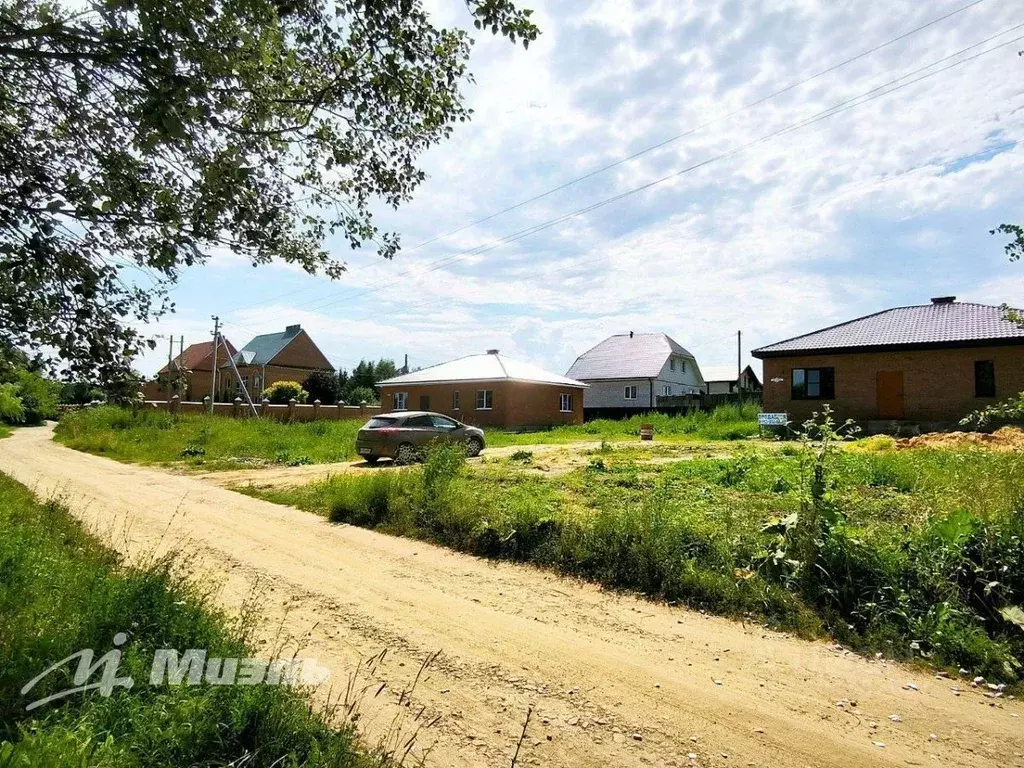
[
  {"x": 640, "y": 356},
  {"x": 939, "y": 324},
  {"x": 262, "y": 349}
]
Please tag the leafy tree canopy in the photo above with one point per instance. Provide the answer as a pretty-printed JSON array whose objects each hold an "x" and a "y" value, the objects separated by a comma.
[{"x": 145, "y": 133}]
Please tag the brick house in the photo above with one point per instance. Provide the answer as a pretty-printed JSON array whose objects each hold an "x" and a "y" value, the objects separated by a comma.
[
  {"x": 627, "y": 373},
  {"x": 289, "y": 355},
  {"x": 928, "y": 363},
  {"x": 189, "y": 375},
  {"x": 488, "y": 390}
]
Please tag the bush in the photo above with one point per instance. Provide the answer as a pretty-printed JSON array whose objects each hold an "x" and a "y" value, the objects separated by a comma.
[
  {"x": 12, "y": 410},
  {"x": 281, "y": 392},
  {"x": 322, "y": 386},
  {"x": 360, "y": 394},
  {"x": 28, "y": 399}
]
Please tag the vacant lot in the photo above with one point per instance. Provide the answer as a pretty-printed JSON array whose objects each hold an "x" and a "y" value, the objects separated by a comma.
[
  {"x": 217, "y": 442},
  {"x": 61, "y": 592},
  {"x": 918, "y": 554}
]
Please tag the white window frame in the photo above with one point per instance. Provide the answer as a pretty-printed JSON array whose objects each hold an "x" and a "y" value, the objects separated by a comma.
[
  {"x": 565, "y": 402},
  {"x": 400, "y": 401},
  {"x": 488, "y": 399},
  {"x": 671, "y": 363},
  {"x": 666, "y": 390},
  {"x": 630, "y": 392},
  {"x": 456, "y": 403}
]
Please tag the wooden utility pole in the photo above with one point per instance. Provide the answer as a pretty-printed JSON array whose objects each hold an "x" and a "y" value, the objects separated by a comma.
[
  {"x": 213, "y": 377},
  {"x": 739, "y": 363}
]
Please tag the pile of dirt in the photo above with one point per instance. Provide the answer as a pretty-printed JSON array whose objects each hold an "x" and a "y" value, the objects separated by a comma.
[{"x": 1005, "y": 439}]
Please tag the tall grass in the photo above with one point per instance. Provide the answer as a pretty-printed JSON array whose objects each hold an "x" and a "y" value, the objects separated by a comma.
[
  {"x": 60, "y": 592},
  {"x": 922, "y": 550},
  {"x": 210, "y": 442}
]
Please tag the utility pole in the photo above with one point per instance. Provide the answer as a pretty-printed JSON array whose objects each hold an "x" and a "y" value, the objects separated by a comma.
[
  {"x": 182, "y": 381},
  {"x": 739, "y": 363},
  {"x": 170, "y": 366},
  {"x": 213, "y": 377}
]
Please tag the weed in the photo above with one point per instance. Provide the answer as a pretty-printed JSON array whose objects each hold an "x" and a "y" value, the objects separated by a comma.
[{"x": 524, "y": 457}]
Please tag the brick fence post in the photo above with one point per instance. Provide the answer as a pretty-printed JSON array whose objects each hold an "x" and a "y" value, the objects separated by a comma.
[
  {"x": 237, "y": 409},
  {"x": 341, "y": 410},
  {"x": 174, "y": 404},
  {"x": 264, "y": 407},
  {"x": 316, "y": 410},
  {"x": 207, "y": 404},
  {"x": 362, "y": 409},
  {"x": 291, "y": 409}
]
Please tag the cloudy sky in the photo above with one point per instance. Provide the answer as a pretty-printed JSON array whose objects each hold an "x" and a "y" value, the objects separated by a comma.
[{"x": 830, "y": 200}]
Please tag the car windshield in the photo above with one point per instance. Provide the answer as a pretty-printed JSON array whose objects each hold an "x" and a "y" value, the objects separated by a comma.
[{"x": 379, "y": 422}]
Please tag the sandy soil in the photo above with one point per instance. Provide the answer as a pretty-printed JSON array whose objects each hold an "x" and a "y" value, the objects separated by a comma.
[
  {"x": 1004, "y": 439},
  {"x": 611, "y": 680}
]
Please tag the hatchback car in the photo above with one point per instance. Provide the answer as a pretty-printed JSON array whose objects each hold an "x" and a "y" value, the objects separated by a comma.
[{"x": 402, "y": 436}]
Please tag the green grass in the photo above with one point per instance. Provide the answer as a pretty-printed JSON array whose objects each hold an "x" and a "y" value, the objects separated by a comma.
[
  {"x": 202, "y": 441},
  {"x": 923, "y": 549},
  {"x": 60, "y": 592},
  {"x": 5, "y": 430}
]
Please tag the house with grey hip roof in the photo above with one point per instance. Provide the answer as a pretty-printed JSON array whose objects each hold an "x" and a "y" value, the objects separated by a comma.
[
  {"x": 934, "y": 362},
  {"x": 628, "y": 372},
  {"x": 288, "y": 355}
]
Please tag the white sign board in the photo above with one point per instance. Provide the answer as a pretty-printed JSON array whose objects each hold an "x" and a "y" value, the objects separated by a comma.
[{"x": 773, "y": 419}]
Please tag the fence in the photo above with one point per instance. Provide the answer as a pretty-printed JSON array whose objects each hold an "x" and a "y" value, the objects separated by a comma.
[
  {"x": 674, "y": 405},
  {"x": 291, "y": 412}
]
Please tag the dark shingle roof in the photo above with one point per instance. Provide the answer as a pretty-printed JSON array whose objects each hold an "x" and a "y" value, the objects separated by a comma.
[
  {"x": 640, "y": 356},
  {"x": 944, "y": 324},
  {"x": 262, "y": 349}
]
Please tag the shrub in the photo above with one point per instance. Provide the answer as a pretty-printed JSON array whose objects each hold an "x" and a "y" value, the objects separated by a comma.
[
  {"x": 322, "y": 386},
  {"x": 282, "y": 392},
  {"x": 12, "y": 410},
  {"x": 360, "y": 394}
]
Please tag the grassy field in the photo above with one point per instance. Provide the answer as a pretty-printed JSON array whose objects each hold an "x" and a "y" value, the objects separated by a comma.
[
  {"x": 60, "y": 592},
  {"x": 916, "y": 554},
  {"x": 219, "y": 442}
]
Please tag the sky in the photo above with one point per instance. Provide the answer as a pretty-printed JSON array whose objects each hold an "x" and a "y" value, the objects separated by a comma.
[{"x": 774, "y": 216}]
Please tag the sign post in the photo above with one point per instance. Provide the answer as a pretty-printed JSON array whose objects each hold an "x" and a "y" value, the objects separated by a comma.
[{"x": 771, "y": 420}]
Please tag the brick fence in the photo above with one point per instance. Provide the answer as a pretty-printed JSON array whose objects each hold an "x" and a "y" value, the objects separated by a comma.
[{"x": 293, "y": 411}]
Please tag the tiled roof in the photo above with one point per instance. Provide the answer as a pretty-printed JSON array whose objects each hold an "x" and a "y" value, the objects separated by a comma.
[
  {"x": 488, "y": 367},
  {"x": 195, "y": 354},
  {"x": 640, "y": 356},
  {"x": 949, "y": 323},
  {"x": 262, "y": 349}
]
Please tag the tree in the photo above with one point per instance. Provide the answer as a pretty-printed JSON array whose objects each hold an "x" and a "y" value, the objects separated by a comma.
[
  {"x": 142, "y": 134},
  {"x": 363, "y": 394},
  {"x": 322, "y": 386}
]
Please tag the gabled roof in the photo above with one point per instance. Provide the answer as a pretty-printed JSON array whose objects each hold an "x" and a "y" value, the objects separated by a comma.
[
  {"x": 195, "y": 354},
  {"x": 262, "y": 349},
  {"x": 943, "y": 323},
  {"x": 491, "y": 366},
  {"x": 627, "y": 356},
  {"x": 726, "y": 373}
]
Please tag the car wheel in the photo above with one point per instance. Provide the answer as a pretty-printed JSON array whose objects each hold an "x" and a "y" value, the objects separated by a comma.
[
  {"x": 473, "y": 446},
  {"x": 406, "y": 454},
  {"x": 371, "y": 459}
]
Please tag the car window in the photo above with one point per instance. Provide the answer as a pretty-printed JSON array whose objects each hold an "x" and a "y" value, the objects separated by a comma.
[
  {"x": 419, "y": 421},
  {"x": 378, "y": 423},
  {"x": 443, "y": 422}
]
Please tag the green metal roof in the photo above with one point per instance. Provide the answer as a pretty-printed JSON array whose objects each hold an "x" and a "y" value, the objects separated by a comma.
[{"x": 262, "y": 349}]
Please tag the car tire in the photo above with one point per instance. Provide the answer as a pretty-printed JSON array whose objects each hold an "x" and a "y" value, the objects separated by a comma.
[
  {"x": 473, "y": 446},
  {"x": 406, "y": 454},
  {"x": 371, "y": 459}
]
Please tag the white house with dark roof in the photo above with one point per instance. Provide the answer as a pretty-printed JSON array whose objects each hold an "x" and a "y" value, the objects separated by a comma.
[{"x": 630, "y": 371}]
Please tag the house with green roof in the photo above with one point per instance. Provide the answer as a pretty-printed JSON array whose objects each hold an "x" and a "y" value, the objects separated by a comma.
[{"x": 290, "y": 355}]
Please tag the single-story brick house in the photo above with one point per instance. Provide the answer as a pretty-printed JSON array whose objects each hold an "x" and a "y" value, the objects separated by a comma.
[
  {"x": 628, "y": 372},
  {"x": 488, "y": 390},
  {"x": 935, "y": 362},
  {"x": 191, "y": 371},
  {"x": 289, "y": 355}
]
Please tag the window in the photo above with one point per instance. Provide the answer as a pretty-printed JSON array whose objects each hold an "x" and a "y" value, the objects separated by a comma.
[
  {"x": 629, "y": 392},
  {"x": 672, "y": 364},
  {"x": 400, "y": 401},
  {"x": 984, "y": 378},
  {"x": 424, "y": 402},
  {"x": 455, "y": 400},
  {"x": 565, "y": 402},
  {"x": 484, "y": 399},
  {"x": 682, "y": 366},
  {"x": 380, "y": 422},
  {"x": 814, "y": 383},
  {"x": 443, "y": 422},
  {"x": 420, "y": 421},
  {"x": 666, "y": 390}
]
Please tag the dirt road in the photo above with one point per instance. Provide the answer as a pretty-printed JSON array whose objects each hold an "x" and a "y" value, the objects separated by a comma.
[{"x": 612, "y": 680}]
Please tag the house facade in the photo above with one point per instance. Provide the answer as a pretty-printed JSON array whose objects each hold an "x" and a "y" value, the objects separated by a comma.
[
  {"x": 488, "y": 390},
  {"x": 290, "y": 355},
  {"x": 628, "y": 372},
  {"x": 189, "y": 375},
  {"x": 722, "y": 380},
  {"x": 928, "y": 363}
]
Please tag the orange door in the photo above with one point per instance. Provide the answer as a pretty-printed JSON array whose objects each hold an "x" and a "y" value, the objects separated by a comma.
[{"x": 889, "y": 392}]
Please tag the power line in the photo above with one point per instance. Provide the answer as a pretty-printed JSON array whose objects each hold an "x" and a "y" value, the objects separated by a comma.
[
  {"x": 671, "y": 139},
  {"x": 859, "y": 100}
]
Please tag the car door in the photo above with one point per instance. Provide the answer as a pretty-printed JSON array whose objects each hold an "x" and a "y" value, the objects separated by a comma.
[
  {"x": 420, "y": 431},
  {"x": 447, "y": 429}
]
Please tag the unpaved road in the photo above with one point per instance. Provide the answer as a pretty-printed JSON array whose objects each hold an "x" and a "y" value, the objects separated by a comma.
[{"x": 612, "y": 680}]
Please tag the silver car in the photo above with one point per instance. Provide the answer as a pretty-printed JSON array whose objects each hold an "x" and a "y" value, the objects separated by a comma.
[{"x": 402, "y": 436}]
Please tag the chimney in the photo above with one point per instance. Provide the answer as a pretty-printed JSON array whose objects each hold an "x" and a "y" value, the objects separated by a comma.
[
  {"x": 943, "y": 299},
  {"x": 631, "y": 334},
  {"x": 293, "y": 329},
  {"x": 492, "y": 351},
  {"x": 405, "y": 368}
]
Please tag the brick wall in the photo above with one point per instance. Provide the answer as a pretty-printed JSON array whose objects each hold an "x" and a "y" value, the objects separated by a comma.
[
  {"x": 938, "y": 385},
  {"x": 514, "y": 404},
  {"x": 301, "y": 412}
]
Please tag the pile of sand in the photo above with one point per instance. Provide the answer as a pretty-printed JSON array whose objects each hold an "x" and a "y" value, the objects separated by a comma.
[{"x": 1005, "y": 439}]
